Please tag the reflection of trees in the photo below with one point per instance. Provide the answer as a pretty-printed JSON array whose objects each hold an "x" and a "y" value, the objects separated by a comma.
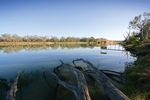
[
  {"x": 11, "y": 49},
  {"x": 72, "y": 46},
  {"x": 54, "y": 46},
  {"x": 88, "y": 45},
  {"x": 14, "y": 48}
]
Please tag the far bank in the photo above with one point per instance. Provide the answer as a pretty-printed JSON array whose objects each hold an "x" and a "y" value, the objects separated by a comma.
[{"x": 49, "y": 43}]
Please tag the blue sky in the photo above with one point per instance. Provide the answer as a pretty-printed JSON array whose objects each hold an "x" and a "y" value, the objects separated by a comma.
[{"x": 80, "y": 18}]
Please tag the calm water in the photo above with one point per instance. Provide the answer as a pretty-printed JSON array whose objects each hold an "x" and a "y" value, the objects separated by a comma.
[{"x": 15, "y": 58}]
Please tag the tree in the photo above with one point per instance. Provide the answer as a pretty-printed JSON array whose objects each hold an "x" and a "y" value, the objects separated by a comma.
[
  {"x": 43, "y": 38},
  {"x": 62, "y": 39},
  {"x": 69, "y": 39},
  {"x": 142, "y": 24},
  {"x": 16, "y": 38},
  {"x": 92, "y": 39},
  {"x": 84, "y": 39},
  {"x": 1, "y": 39},
  {"x": 26, "y": 39},
  {"x": 6, "y": 37},
  {"x": 54, "y": 39}
]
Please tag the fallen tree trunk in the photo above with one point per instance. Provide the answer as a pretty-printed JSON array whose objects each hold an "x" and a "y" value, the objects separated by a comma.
[
  {"x": 11, "y": 94},
  {"x": 80, "y": 90},
  {"x": 101, "y": 78}
]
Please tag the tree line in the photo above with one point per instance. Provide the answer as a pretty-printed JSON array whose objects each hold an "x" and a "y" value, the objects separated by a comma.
[
  {"x": 34, "y": 38},
  {"x": 139, "y": 29}
]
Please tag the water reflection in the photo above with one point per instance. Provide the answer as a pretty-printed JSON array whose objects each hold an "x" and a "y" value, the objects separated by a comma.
[
  {"x": 31, "y": 57},
  {"x": 12, "y": 49},
  {"x": 18, "y": 48},
  {"x": 105, "y": 48}
]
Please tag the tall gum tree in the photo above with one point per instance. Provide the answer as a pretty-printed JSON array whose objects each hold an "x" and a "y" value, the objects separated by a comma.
[{"x": 142, "y": 24}]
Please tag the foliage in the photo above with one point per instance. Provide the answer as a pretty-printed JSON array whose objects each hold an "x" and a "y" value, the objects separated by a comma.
[
  {"x": 34, "y": 38},
  {"x": 137, "y": 88},
  {"x": 142, "y": 24},
  {"x": 133, "y": 40},
  {"x": 137, "y": 73}
]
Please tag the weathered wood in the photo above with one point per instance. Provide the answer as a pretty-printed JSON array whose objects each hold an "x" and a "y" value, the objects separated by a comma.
[
  {"x": 11, "y": 94},
  {"x": 111, "y": 71},
  {"x": 100, "y": 77},
  {"x": 80, "y": 90},
  {"x": 116, "y": 76}
]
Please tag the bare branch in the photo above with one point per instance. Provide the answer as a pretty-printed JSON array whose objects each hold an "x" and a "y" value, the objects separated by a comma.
[
  {"x": 11, "y": 95},
  {"x": 101, "y": 78},
  {"x": 80, "y": 90}
]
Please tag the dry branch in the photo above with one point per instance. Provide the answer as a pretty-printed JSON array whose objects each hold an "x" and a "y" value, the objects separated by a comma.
[
  {"x": 80, "y": 90},
  {"x": 11, "y": 94},
  {"x": 101, "y": 78}
]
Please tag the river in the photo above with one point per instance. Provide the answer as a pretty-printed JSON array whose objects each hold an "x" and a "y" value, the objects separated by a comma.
[
  {"x": 29, "y": 58},
  {"x": 32, "y": 59}
]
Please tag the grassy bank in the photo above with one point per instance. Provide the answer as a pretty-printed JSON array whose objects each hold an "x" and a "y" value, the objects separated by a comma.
[{"x": 138, "y": 73}]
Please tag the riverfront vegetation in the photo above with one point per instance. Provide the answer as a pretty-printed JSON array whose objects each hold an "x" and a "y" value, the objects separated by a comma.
[
  {"x": 14, "y": 38},
  {"x": 138, "y": 73}
]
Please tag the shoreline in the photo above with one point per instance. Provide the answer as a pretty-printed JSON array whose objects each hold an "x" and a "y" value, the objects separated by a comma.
[
  {"x": 138, "y": 73},
  {"x": 38, "y": 43},
  {"x": 51, "y": 43}
]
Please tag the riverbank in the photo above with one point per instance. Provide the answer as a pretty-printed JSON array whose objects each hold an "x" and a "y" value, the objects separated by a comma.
[
  {"x": 138, "y": 73},
  {"x": 38, "y": 43},
  {"x": 2, "y": 44}
]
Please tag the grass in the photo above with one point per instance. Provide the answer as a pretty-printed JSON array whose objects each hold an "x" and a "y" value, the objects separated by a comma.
[
  {"x": 139, "y": 96},
  {"x": 138, "y": 73}
]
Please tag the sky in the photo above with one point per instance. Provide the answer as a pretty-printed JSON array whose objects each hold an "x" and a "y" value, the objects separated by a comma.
[{"x": 79, "y": 18}]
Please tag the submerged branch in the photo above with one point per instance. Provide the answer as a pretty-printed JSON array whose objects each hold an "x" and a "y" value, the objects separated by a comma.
[
  {"x": 11, "y": 94},
  {"x": 101, "y": 78},
  {"x": 80, "y": 90}
]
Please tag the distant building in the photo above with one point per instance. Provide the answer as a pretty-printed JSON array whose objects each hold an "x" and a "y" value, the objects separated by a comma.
[{"x": 102, "y": 41}]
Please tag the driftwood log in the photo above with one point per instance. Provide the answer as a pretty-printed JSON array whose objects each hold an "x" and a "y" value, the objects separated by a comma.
[
  {"x": 11, "y": 94},
  {"x": 101, "y": 78},
  {"x": 80, "y": 89}
]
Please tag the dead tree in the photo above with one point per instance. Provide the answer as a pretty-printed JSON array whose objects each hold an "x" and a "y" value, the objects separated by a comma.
[
  {"x": 101, "y": 78},
  {"x": 11, "y": 94},
  {"x": 80, "y": 89}
]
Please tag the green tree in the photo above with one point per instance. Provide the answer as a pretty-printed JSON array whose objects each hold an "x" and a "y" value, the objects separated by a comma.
[
  {"x": 84, "y": 39},
  {"x": 141, "y": 23},
  {"x": 92, "y": 39}
]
